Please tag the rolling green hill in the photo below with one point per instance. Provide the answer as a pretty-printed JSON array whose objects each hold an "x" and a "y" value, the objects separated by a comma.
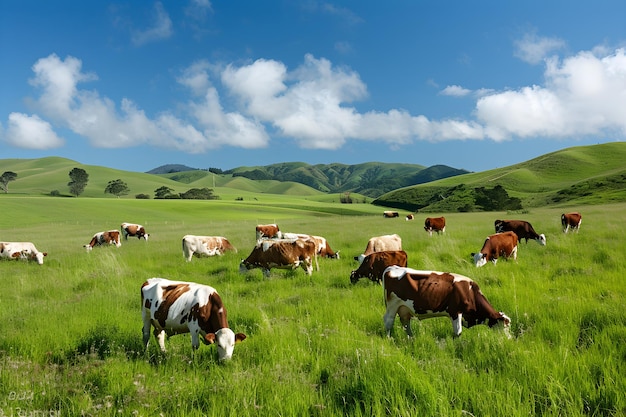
[{"x": 579, "y": 175}]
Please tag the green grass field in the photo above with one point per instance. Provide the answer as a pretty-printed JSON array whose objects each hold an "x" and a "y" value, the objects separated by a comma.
[{"x": 70, "y": 330}]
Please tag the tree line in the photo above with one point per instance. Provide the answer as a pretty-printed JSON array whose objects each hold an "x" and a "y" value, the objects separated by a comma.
[{"x": 79, "y": 178}]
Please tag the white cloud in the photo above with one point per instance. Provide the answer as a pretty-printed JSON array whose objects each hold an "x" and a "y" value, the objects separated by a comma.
[
  {"x": 534, "y": 49},
  {"x": 582, "y": 95},
  {"x": 235, "y": 106},
  {"x": 455, "y": 91},
  {"x": 30, "y": 132},
  {"x": 161, "y": 28}
]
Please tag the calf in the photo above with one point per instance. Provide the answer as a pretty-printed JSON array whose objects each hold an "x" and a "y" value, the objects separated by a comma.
[
  {"x": 281, "y": 254},
  {"x": 571, "y": 221},
  {"x": 521, "y": 228},
  {"x": 426, "y": 294},
  {"x": 133, "y": 230},
  {"x": 375, "y": 264},
  {"x": 112, "y": 237},
  {"x": 205, "y": 245},
  {"x": 21, "y": 250},
  {"x": 379, "y": 244},
  {"x": 500, "y": 244},
  {"x": 435, "y": 224},
  {"x": 175, "y": 307}
]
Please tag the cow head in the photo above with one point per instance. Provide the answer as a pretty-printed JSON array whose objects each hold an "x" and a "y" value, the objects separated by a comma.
[
  {"x": 225, "y": 339},
  {"x": 360, "y": 258},
  {"x": 39, "y": 257},
  {"x": 353, "y": 278},
  {"x": 480, "y": 259},
  {"x": 542, "y": 239}
]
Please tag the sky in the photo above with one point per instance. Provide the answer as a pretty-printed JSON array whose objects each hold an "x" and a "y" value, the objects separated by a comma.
[{"x": 474, "y": 85}]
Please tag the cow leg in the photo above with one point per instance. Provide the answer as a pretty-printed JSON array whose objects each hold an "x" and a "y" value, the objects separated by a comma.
[
  {"x": 514, "y": 253},
  {"x": 457, "y": 325},
  {"x": 307, "y": 265},
  {"x": 160, "y": 337},
  {"x": 146, "y": 327},
  {"x": 388, "y": 319},
  {"x": 195, "y": 342},
  {"x": 405, "y": 319}
]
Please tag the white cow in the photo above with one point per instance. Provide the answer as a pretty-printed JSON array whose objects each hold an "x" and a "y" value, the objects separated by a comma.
[
  {"x": 21, "y": 250},
  {"x": 205, "y": 246}
]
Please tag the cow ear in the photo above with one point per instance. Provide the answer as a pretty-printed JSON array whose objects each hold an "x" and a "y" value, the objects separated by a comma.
[
  {"x": 239, "y": 337},
  {"x": 45, "y": 253},
  {"x": 209, "y": 338}
]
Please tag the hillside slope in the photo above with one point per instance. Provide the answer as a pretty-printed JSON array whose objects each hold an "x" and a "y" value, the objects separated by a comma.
[{"x": 578, "y": 175}]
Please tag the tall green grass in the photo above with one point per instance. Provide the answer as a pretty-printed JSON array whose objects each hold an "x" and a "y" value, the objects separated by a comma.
[{"x": 70, "y": 330}]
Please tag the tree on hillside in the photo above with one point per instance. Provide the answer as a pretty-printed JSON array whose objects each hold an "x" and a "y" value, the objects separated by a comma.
[
  {"x": 79, "y": 179},
  {"x": 117, "y": 188},
  {"x": 7, "y": 177},
  {"x": 163, "y": 192}
]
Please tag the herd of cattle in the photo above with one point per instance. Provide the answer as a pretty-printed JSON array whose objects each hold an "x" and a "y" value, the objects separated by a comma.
[{"x": 173, "y": 307}]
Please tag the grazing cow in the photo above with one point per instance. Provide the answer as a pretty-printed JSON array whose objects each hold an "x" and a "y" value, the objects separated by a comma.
[
  {"x": 390, "y": 214},
  {"x": 132, "y": 230},
  {"x": 571, "y": 221},
  {"x": 268, "y": 231},
  {"x": 112, "y": 237},
  {"x": 521, "y": 228},
  {"x": 322, "y": 248},
  {"x": 379, "y": 244},
  {"x": 21, "y": 250},
  {"x": 435, "y": 224},
  {"x": 205, "y": 245},
  {"x": 175, "y": 307},
  {"x": 500, "y": 244},
  {"x": 375, "y": 264},
  {"x": 409, "y": 217},
  {"x": 281, "y": 254},
  {"x": 427, "y": 294}
]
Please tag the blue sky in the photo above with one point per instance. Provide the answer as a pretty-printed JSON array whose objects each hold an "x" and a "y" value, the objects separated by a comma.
[{"x": 470, "y": 84}]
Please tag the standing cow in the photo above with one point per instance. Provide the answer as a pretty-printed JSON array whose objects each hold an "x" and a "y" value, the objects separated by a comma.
[
  {"x": 281, "y": 254},
  {"x": 379, "y": 244},
  {"x": 268, "y": 231},
  {"x": 134, "y": 230},
  {"x": 175, "y": 307},
  {"x": 500, "y": 244},
  {"x": 375, "y": 264},
  {"x": 111, "y": 237},
  {"x": 21, "y": 250},
  {"x": 427, "y": 294},
  {"x": 522, "y": 228},
  {"x": 205, "y": 246},
  {"x": 571, "y": 221},
  {"x": 435, "y": 224}
]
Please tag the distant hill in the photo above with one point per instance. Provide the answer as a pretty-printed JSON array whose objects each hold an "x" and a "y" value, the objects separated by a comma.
[
  {"x": 579, "y": 175},
  {"x": 170, "y": 168},
  {"x": 371, "y": 179}
]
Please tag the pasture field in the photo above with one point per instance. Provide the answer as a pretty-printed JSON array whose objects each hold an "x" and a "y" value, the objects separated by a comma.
[{"x": 70, "y": 330}]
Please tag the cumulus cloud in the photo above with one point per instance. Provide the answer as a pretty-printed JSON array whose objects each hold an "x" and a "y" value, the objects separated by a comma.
[
  {"x": 314, "y": 105},
  {"x": 455, "y": 91},
  {"x": 161, "y": 27},
  {"x": 583, "y": 95},
  {"x": 534, "y": 49},
  {"x": 30, "y": 132}
]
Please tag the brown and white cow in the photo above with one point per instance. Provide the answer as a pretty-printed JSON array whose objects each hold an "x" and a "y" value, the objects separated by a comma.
[
  {"x": 375, "y": 264},
  {"x": 111, "y": 237},
  {"x": 134, "y": 230},
  {"x": 427, "y": 294},
  {"x": 435, "y": 224},
  {"x": 500, "y": 244},
  {"x": 522, "y": 228},
  {"x": 571, "y": 221},
  {"x": 205, "y": 246},
  {"x": 409, "y": 217},
  {"x": 379, "y": 244},
  {"x": 322, "y": 248},
  {"x": 268, "y": 231},
  {"x": 390, "y": 214},
  {"x": 175, "y": 307},
  {"x": 21, "y": 250},
  {"x": 281, "y": 254}
]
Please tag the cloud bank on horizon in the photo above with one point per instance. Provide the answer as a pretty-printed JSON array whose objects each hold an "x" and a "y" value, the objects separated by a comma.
[{"x": 315, "y": 105}]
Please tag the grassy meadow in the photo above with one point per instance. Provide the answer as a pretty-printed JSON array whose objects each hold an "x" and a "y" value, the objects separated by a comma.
[{"x": 70, "y": 330}]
